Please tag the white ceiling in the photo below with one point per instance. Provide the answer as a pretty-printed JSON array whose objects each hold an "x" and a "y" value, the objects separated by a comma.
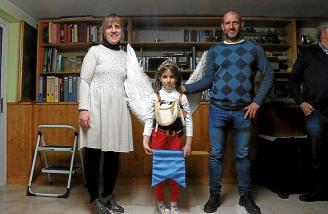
[{"x": 38, "y": 9}]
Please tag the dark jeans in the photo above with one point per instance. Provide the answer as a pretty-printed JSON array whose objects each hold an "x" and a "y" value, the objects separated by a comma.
[
  {"x": 220, "y": 122},
  {"x": 91, "y": 167},
  {"x": 317, "y": 127}
]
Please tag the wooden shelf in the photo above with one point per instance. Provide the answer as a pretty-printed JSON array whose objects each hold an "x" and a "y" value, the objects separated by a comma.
[
  {"x": 74, "y": 19},
  {"x": 267, "y": 22},
  {"x": 57, "y": 103},
  {"x": 177, "y": 21},
  {"x": 60, "y": 73},
  {"x": 68, "y": 46},
  {"x": 275, "y": 47},
  {"x": 154, "y": 45}
]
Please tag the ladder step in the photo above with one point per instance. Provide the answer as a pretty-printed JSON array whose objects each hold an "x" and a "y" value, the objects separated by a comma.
[
  {"x": 55, "y": 148},
  {"x": 58, "y": 170}
]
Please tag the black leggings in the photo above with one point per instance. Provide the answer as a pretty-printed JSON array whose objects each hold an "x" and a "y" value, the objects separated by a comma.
[{"x": 91, "y": 167}]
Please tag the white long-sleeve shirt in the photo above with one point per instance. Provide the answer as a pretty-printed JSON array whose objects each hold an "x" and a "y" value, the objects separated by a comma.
[{"x": 168, "y": 95}]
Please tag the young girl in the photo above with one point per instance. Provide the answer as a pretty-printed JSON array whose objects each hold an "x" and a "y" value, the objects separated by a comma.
[{"x": 167, "y": 89}]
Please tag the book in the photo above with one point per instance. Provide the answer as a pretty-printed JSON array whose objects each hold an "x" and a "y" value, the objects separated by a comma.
[
  {"x": 50, "y": 88},
  {"x": 41, "y": 89},
  {"x": 65, "y": 89},
  {"x": 70, "y": 89},
  {"x": 74, "y": 88},
  {"x": 78, "y": 89},
  {"x": 58, "y": 67},
  {"x": 56, "y": 89},
  {"x": 45, "y": 60}
]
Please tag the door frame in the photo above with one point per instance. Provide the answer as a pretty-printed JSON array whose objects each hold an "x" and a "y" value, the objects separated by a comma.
[{"x": 3, "y": 95}]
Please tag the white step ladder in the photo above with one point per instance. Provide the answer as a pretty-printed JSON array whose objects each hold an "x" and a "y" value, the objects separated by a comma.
[{"x": 43, "y": 148}]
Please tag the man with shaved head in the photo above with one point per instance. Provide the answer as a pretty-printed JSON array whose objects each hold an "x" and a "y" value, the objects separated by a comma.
[{"x": 230, "y": 71}]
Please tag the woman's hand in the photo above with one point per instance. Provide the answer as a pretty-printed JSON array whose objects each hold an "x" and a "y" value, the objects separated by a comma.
[
  {"x": 84, "y": 119},
  {"x": 145, "y": 143}
]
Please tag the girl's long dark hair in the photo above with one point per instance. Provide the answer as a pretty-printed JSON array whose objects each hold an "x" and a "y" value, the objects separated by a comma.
[{"x": 168, "y": 65}]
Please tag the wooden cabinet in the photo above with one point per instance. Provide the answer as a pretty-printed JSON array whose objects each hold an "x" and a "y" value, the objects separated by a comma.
[{"x": 24, "y": 118}]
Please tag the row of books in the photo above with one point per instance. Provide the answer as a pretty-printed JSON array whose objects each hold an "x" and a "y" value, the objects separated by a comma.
[
  {"x": 69, "y": 33},
  {"x": 59, "y": 89},
  {"x": 54, "y": 61}
]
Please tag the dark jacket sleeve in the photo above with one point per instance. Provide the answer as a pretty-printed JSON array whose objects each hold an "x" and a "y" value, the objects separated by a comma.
[
  {"x": 207, "y": 81},
  {"x": 296, "y": 79}
]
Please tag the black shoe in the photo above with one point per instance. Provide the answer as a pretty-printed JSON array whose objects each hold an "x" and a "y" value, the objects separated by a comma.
[
  {"x": 100, "y": 207},
  {"x": 314, "y": 196},
  {"x": 213, "y": 203},
  {"x": 113, "y": 206},
  {"x": 248, "y": 203}
]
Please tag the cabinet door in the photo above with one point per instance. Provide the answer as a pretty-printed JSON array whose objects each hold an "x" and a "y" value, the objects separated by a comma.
[{"x": 20, "y": 145}]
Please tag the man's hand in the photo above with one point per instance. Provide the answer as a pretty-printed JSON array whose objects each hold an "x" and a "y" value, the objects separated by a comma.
[
  {"x": 306, "y": 108},
  {"x": 84, "y": 119},
  {"x": 251, "y": 110}
]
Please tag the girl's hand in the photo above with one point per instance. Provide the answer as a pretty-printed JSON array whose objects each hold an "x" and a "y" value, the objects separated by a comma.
[
  {"x": 187, "y": 147},
  {"x": 145, "y": 143},
  {"x": 186, "y": 150}
]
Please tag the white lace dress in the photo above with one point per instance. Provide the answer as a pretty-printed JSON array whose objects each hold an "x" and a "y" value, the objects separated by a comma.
[{"x": 102, "y": 94}]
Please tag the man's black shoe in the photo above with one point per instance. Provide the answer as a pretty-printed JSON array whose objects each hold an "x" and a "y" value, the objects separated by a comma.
[
  {"x": 314, "y": 196},
  {"x": 248, "y": 203},
  {"x": 213, "y": 203}
]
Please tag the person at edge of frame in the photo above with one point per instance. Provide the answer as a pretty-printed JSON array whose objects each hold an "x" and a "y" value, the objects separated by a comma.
[{"x": 308, "y": 86}]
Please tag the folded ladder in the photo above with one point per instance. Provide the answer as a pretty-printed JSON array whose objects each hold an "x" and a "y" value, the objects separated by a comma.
[{"x": 43, "y": 148}]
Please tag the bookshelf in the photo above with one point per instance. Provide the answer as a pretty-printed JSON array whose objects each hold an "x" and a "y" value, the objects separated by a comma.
[{"x": 63, "y": 42}]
